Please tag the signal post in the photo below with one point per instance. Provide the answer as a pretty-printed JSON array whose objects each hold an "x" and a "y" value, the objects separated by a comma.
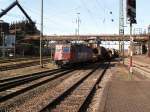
[{"x": 131, "y": 16}]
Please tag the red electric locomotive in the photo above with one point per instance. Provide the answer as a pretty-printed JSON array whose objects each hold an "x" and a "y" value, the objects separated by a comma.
[
  {"x": 69, "y": 54},
  {"x": 79, "y": 53}
]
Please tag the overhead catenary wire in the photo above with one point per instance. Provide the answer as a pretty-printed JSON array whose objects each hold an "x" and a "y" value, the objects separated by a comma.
[
  {"x": 36, "y": 13},
  {"x": 89, "y": 12},
  {"x": 104, "y": 10},
  {"x": 14, "y": 16},
  {"x": 100, "y": 5},
  {"x": 104, "y": 7},
  {"x": 49, "y": 19},
  {"x": 57, "y": 22}
]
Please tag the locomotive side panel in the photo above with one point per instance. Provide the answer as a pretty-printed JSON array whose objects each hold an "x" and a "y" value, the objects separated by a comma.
[
  {"x": 81, "y": 53},
  {"x": 66, "y": 55},
  {"x": 58, "y": 52}
]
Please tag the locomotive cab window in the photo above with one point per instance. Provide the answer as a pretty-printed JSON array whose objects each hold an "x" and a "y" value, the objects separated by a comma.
[
  {"x": 66, "y": 49},
  {"x": 58, "y": 49}
]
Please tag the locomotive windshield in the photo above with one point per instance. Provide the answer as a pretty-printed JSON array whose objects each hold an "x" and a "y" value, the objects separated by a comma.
[
  {"x": 58, "y": 50},
  {"x": 66, "y": 49}
]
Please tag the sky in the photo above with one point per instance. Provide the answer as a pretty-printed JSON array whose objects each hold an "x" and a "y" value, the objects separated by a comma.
[{"x": 60, "y": 15}]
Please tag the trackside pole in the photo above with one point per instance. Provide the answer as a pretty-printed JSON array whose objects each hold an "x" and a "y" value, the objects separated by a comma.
[
  {"x": 41, "y": 35},
  {"x": 131, "y": 53}
]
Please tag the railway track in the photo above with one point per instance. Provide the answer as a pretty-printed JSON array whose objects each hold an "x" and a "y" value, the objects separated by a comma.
[
  {"x": 17, "y": 59},
  {"x": 67, "y": 90},
  {"x": 25, "y": 76},
  {"x": 21, "y": 65},
  {"x": 15, "y": 86},
  {"x": 77, "y": 97},
  {"x": 140, "y": 67},
  {"x": 12, "y": 60}
]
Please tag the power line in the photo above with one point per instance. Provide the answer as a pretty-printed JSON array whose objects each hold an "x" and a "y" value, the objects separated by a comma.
[
  {"x": 99, "y": 5},
  {"x": 104, "y": 6},
  {"x": 89, "y": 12},
  {"x": 46, "y": 18}
]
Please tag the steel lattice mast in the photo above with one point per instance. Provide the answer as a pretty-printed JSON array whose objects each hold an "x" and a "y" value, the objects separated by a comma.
[{"x": 121, "y": 26}]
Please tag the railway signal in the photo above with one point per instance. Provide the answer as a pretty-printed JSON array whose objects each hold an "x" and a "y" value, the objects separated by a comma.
[
  {"x": 131, "y": 11},
  {"x": 131, "y": 16}
]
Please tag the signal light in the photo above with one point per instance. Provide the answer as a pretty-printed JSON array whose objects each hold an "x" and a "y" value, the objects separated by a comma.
[{"x": 131, "y": 10}]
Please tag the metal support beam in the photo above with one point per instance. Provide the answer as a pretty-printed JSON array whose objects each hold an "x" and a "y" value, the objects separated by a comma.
[
  {"x": 24, "y": 12},
  {"x": 7, "y": 9},
  {"x": 13, "y": 5}
]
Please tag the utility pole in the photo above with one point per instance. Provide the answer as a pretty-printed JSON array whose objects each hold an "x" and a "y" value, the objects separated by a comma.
[
  {"x": 121, "y": 28},
  {"x": 41, "y": 34},
  {"x": 78, "y": 25}
]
